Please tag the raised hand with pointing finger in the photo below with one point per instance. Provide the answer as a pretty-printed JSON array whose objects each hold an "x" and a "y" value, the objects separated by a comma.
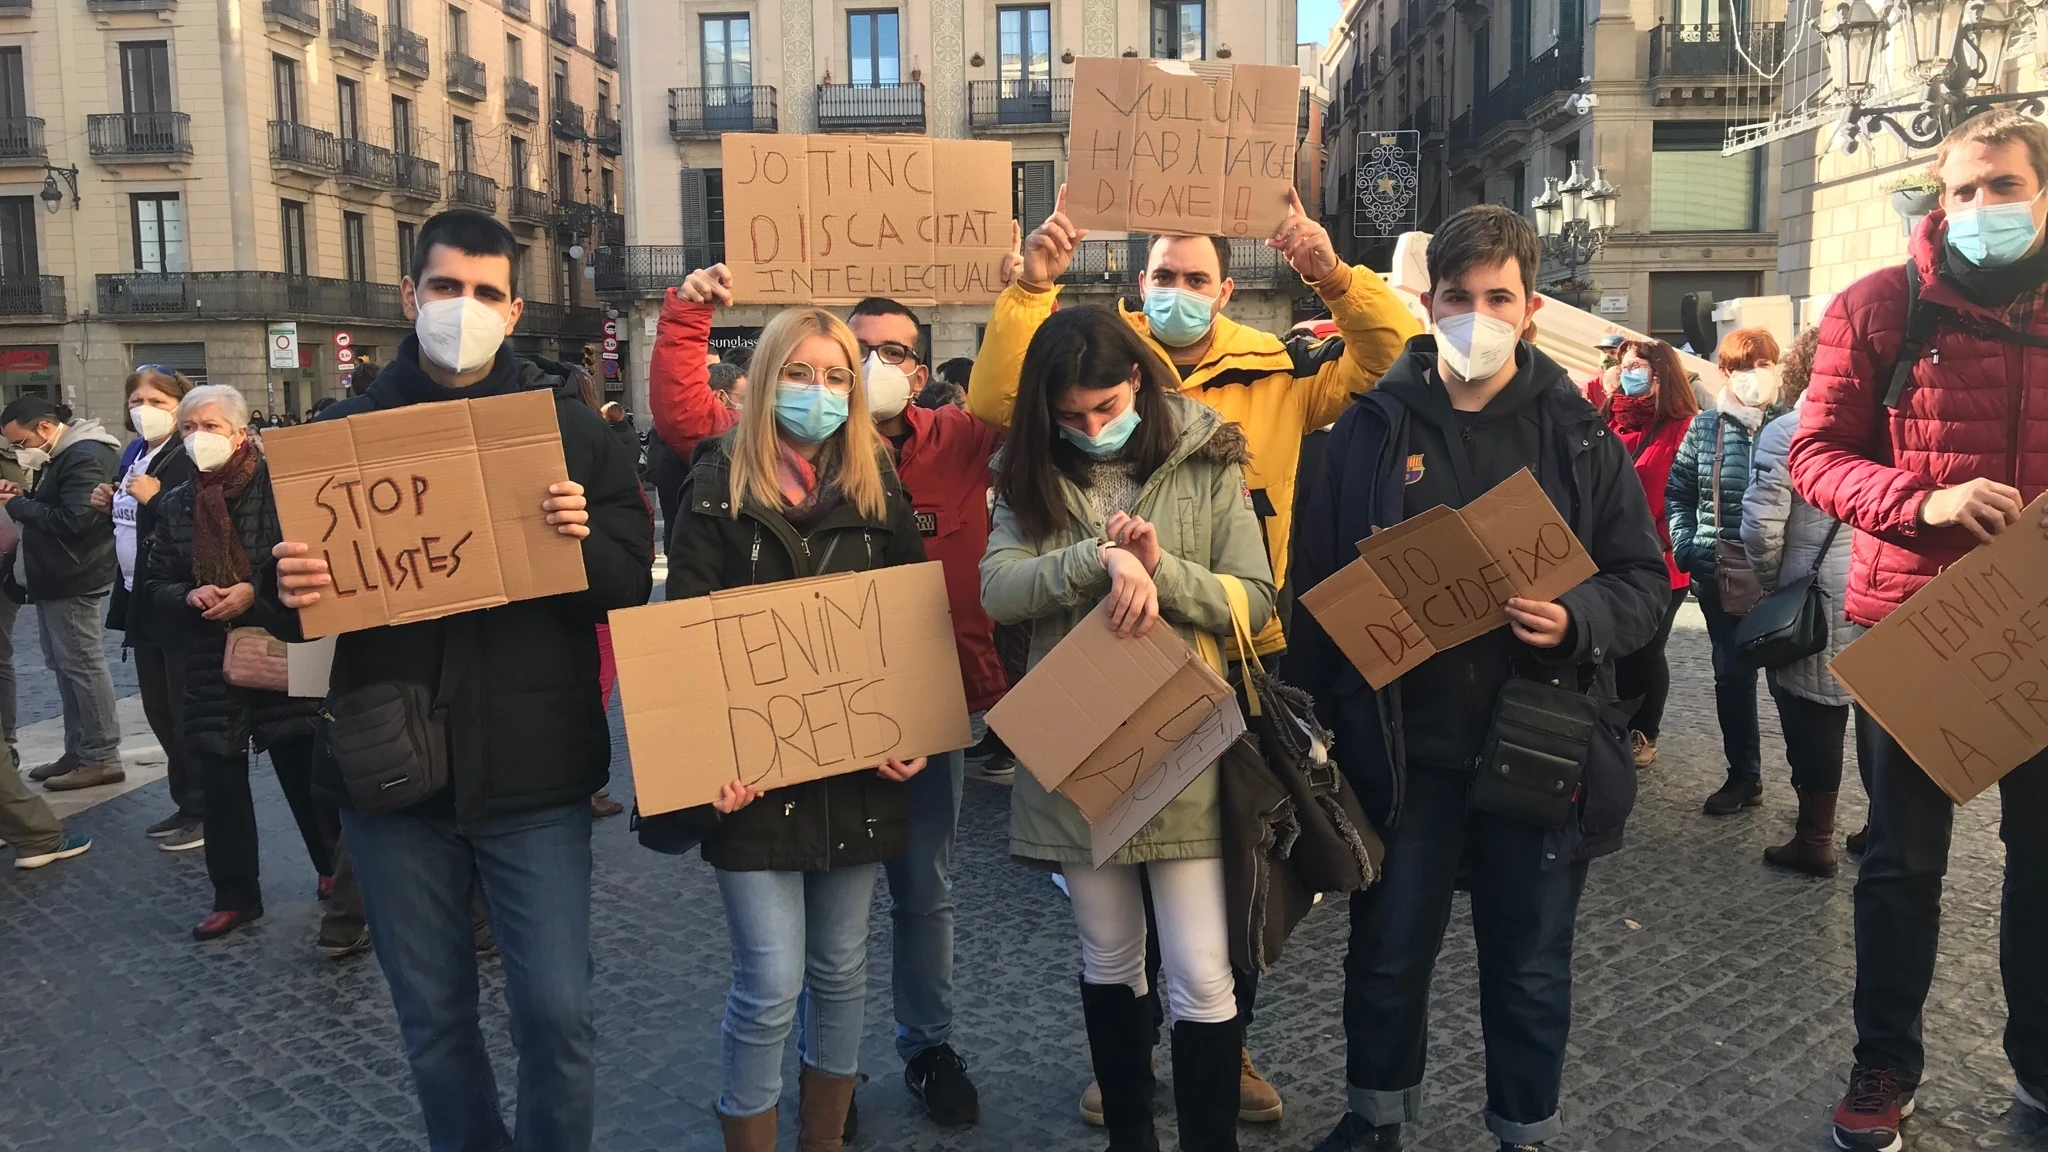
[
  {"x": 1050, "y": 248},
  {"x": 1304, "y": 243}
]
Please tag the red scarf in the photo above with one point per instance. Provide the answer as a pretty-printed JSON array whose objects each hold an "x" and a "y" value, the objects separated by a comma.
[
  {"x": 1632, "y": 415},
  {"x": 217, "y": 554}
]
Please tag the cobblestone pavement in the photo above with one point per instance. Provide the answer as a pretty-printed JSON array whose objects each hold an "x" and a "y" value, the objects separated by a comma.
[{"x": 1712, "y": 1012}]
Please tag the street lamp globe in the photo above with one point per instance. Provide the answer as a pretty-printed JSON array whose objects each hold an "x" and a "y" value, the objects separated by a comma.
[
  {"x": 1600, "y": 198},
  {"x": 1933, "y": 25},
  {"x": 1852, "y": 44},
  {"x": 1549, "y": 209},
  {"x": 1573, "y": 191},
  {"x": 51, "y": 196},
  {"x": 1989, "y": 29}
]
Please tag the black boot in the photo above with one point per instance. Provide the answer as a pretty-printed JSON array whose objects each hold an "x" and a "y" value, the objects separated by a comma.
[
  {"x": 1205, "y": 1081},
  {"x": 1119, "y": 1031}
]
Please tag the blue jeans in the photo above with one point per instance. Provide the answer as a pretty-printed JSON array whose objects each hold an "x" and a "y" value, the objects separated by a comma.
[
  {"x": 920, "y": 886},
  {"x": 74, "y": 652},
  {"x": 534, "y": 869},
  {"x": 799, "y": 957},
  {"x": 1522, "y": 916}
]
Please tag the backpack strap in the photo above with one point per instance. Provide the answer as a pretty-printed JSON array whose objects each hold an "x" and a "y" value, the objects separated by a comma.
[{"x": 1921, "y": 321}]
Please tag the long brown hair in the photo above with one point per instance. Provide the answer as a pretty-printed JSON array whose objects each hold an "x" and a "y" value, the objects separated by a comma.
[
  {"x": 851, "y": 452},
  {"x": 1084, "y": 347},
  {"x": 1675, "y": 397},
  {"x": 170, "y": 383}
]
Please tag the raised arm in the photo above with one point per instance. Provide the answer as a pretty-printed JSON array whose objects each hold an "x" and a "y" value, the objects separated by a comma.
[
  {"x": 685, "y": 409},
  {"x": 1375, "y": 324}
]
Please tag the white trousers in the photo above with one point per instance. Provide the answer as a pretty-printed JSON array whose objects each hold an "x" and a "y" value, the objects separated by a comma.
[{"x": 1194, "y": 940}]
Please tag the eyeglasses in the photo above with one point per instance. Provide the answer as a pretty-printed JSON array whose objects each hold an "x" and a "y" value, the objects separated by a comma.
[
  {"x": 158, "y": 369},
  {"x": 890, "y": 351},
  {"x": 803, "y": 376}
]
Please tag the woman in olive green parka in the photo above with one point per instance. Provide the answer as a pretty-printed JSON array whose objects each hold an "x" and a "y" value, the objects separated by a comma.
[{"x": 1113, "y": 486}]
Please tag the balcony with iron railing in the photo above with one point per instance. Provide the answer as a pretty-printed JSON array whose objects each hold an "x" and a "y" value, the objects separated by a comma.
[
  {"x": 998, "y": 107},
  {"x": 608, "y": 134},
  {"x": 406, "y": 52},
  {"x": 472, "y": 190},
  {"x": 568, "y": 321},
  {"x": 16, "y": 7},
  {"x": 465, "y": 76},
  {"x": 651, "y": 269},
  {"x": 138, "y": 136},
  {"x": 352, "y": 30},
  {"x": 367, "y": 165},
  {"x": 130, "y": 5},
  {"x": 870, "y": 107},
  {"x": 21, "y": 141},
  {"x": 418, "y": 178},
  {"x": 704, "y": 113},
  {"x": 244, "y": 295},
  {"x": 561, "y": 23},
  {"x": 572, "y": 215},
  {"x": 532, "y": 206},
  {"x": 522, "y": 100},
  {"x": 32, "y": 297},
  {"x": 519, "y": 9},
  {"x": 298, "y": 147},
  {"x": 1119, "y": 265},
  {"x": 568, "y": 120},
  {"x": 611, "y": 228},
  {"x": 1711, "y": 50},
  {"x": 606, "y": 49},
  {"x": 302, "y": 16}
]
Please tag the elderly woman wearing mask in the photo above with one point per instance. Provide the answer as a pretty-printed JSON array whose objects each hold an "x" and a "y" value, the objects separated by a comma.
[{"x": 210, "y": 550}]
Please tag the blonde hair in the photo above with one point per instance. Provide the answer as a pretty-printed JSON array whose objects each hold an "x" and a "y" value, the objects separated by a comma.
[{"x": 852, "y": 452}]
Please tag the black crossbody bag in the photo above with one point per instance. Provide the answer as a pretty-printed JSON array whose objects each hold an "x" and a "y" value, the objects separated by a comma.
[
  {"x": 389, "y": 739},
  {"x": 1534, "y": 759}
]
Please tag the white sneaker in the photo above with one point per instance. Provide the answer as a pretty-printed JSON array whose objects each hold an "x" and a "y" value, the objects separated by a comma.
[{"x": 2034, "y": 1098}]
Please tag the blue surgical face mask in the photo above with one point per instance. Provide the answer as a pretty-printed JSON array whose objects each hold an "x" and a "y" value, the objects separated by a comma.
[
  {"x": 1635, "y": 381},
  {"x": 1994, "y": 235},
  {"x": 1110, "y": 440},
  {"x": 809, "y": 413},
  {"x": 1177, "y": 316}
]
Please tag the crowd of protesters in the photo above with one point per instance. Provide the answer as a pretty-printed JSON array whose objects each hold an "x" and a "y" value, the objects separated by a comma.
[{"x": 1195, "y": 474}]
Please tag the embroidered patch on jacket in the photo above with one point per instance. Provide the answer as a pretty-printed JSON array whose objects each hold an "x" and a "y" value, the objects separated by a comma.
[
  {"x": 928, "y": 523},
  {"x": 1414, "y": 468}
]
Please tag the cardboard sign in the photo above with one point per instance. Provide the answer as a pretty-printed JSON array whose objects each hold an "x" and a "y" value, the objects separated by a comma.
[
  {"x": 427, "y": 510},
  {"x": 1117, "y": 726},
  {"x": 1188, "y": 149},
  {"x": 777, "y": 684},
  {"x": 1958, "y": 674},
  {"x": 1434, "y": 581},
  {"x": 833, "y": 219}
]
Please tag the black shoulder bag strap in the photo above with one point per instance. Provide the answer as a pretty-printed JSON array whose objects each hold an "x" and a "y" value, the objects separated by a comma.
[
  {"x": 1821, "y": 557},
  {"x": 1643, "y": 445},
  {"x": 1919, "y": 329}
]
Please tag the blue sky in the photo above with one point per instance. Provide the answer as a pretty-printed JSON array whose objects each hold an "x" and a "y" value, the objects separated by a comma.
[{"x": 1313, "y": 19}]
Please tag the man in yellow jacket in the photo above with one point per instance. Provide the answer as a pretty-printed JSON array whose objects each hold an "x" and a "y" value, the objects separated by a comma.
[{"x": 1249, "y": 377}]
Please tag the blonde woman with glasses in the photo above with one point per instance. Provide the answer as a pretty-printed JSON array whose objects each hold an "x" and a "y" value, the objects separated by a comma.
[{"x": 801, "y": 486}]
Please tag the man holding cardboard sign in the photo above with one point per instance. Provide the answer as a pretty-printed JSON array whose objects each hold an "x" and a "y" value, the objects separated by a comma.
[
  {"x": 524, "y": 741},
  {"x": 1921, "y": 431},
  {"x": 1446, "y": 613}
]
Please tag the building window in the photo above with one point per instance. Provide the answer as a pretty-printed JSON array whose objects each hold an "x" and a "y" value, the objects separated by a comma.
[
  {"x": 1178, "y": 30},
  {"x": 19, "y": 263},
  {"x": 348, "y": 102},
  {"x": 146, "y": 77},
  {"x": 521, "y": 161},
  {"x": 458, "y": 30},
  {"x": 1031, "y": 192},
  {"x": 188, "y": 360},
  {"x": 704, "y": 214},
  {"x": 874, "y": 54},
  {"x": 284, "y": 77},
  {"x": 292, "y": 219},
  {"x": 1482, "y": 63},
  {"x": 1694, "y": 188},
  {"x": 401, "y": 126},
  {"x": 561, "y": 81},
  {"x": 1024, "y": 43},
  {"x": 13, "y": 85},
  {"x": 408, "y": 236},
  {"x": 565, "y": 178},
  {"x": 604, "y": 184},
  {"x": 462, "y": 145},
  {"x": 728, "y": 52},
  {"x": 159, "y": 232},
  {"x": 397, "y": 13},
  {"x": 355, "y": 245},
  {"x": 515, "y": 58},
  {"x": 522, "y": 267},
  {"x": 604, "y": 100}
]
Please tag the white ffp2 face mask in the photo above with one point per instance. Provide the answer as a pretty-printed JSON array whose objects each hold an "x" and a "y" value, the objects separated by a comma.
[
  {"x": 460, "y": 334},
  {"x": 209, "y": 450},
  {"x": 888, "y": 387},
  {"x": 1473, "y": 346},
  {"x": 1755, "y": 387},
  {"x": 152, "y": 424}
]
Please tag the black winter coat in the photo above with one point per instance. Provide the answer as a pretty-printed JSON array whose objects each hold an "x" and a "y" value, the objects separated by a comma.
[
  {"x": 219, "y": 718},
  {"x": 526, "y": 727},
  {"x": 1589, "y": 477},
  {"x": 126, "y": 612},
  {"x": 857, "y": 818},
  {"x": 67, "y": 543}
]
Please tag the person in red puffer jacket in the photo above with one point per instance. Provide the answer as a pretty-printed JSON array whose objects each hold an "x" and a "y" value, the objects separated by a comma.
[
  {"x": 1923, "y": 474},
  {"x": 1650, "y": 409}
]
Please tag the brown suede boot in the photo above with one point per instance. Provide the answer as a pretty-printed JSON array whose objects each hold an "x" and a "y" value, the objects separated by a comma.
[
  {"x": 821, "y": 1111},
  {"x": 1812, "y": 847},
  {"x": 749, "y": 1133}
]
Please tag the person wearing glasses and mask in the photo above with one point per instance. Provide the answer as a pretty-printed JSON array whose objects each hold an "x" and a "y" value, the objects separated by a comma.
[
  {"x": 67, "y": 549},
  {"x": 802, "y": 486},
  {"x": 1249, "y": 377}
]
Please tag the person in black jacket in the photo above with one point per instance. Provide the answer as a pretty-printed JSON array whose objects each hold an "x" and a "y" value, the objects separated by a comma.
[
  {"x": 68, "y": 546},
  {"x": 1459, "y": 412},
  {"x": 153, "y": 463},
  {"x": 801, "y": 486},
  {"x": 527, "y": 741},
  {"x": 208, "y": 552}
]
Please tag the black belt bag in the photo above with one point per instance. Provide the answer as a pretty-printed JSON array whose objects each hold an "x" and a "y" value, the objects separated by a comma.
[
  {"x": 1535, "y": 755},
  {"x": 389, "y": 740}
]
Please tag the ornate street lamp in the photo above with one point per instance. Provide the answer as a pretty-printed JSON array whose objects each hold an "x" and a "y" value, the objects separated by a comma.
[
  {"x": 1957, "y": 47},
  {"x": 1574, "y": 219}
]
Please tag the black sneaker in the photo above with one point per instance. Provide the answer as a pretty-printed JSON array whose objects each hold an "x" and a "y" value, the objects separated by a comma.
[
  {"x": 1353, "y": 1134},
  {"x": 167, "y": 825},
  {"x": 1859, "y": 842},
  {"x": 938, "y": 1077},
  {"x": 1734, "y": 796}
]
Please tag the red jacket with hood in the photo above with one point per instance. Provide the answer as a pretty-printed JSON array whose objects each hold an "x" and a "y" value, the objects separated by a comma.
[
  {"x": 944, "y": 467},
  {"x": 1975, "y": 406}
]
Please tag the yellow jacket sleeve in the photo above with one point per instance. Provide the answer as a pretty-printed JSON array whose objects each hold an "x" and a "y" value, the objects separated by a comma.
[
  {"x": 1012, "y": 322},
  {"x": 1375, "y": 324}
]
